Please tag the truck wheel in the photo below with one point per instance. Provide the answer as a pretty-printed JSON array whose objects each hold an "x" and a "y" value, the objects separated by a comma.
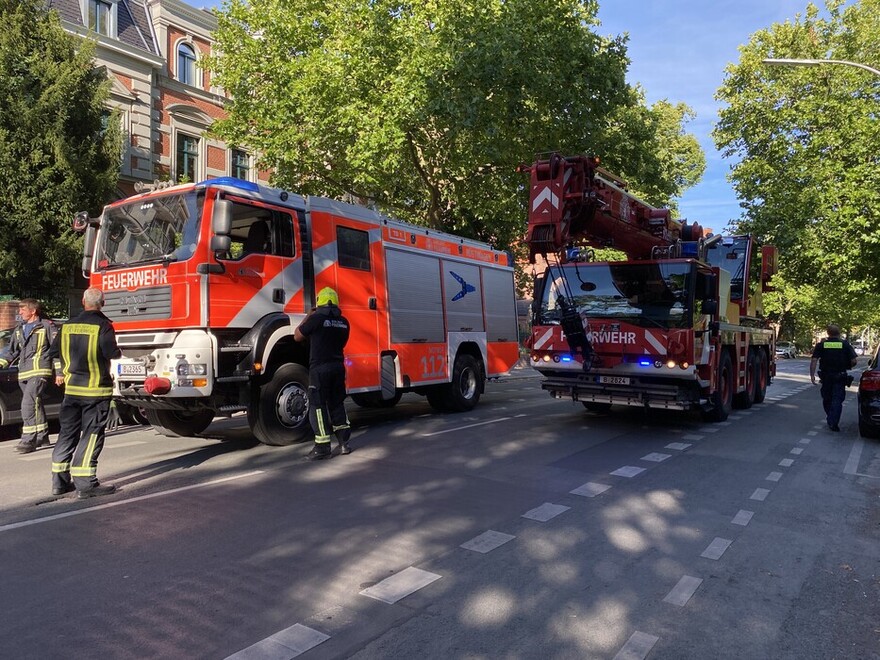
[
  {"x": 744, "y": 400},
  {"x": 179, "y": 423},
  {"x": 375, "y": 400},
  {"x": 761, "y": 377},
  {"x": 279, "y": 413},
  {"x": 722, "y": 398},
  {"x": 597, "y": 406},
  {"x": 464, "y": 391},
  {"x": 436, "y": 396}
]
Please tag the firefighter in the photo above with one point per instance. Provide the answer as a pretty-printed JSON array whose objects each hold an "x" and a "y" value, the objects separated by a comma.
[
  {"x": 81, "y": 353},
  {"x": 834, "y": 356},
  {"x": 29, "y": 345},
  {"x": 327, "y": 331}
]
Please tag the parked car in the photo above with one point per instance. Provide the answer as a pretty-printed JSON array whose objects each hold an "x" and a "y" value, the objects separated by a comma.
[
  {"x": 786, "y": 349},
  {"x": 869, "y": 398}
]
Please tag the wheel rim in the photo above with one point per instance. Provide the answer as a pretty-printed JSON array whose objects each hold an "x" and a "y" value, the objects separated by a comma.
[
  {"x": 292, "y": 405},
  {"x": 468, "y": 384}
]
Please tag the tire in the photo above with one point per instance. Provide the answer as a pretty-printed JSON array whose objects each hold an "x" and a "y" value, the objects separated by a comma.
[
  {"x": 179, "y": 423},
  {"x": 597, "y": 407},
  {"x": 467, "y": 384},
  {"x": 761, "y": 377},
  {"x": 436, "y": 396},
  {"x": 722, "y": 398},
  {"x": 375, "y": 400},
  {"x": 744, "y": 400},
  {"x": 868, "y": 431},
  {"x": 279, "y": 412}
]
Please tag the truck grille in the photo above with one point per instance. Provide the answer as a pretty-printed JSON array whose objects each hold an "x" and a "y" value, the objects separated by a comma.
[{"x": 143, "y": 304}]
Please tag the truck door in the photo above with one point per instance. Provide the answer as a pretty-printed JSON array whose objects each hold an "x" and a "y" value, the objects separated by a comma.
[{"x": 262, "y": 269}]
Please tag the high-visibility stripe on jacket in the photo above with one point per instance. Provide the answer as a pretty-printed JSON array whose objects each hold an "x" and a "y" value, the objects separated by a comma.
[
  {"x": 82, "y": 351},
  {"x": 31, "y": 351}
]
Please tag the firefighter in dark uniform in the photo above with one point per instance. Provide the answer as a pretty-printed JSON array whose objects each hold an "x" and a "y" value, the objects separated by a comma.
[
  {"x": 29, "y": 345},
  {"x": 327, "y": 331},
  {"x": 834, "y": 356},
  {"x": 81, "y": 353}
]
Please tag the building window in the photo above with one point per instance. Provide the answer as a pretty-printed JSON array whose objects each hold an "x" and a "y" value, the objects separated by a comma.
[
  {"x": 187, "y": 158},
  {"x": 100, "y": 16},
  {"x": 241, "y": 165},
  {"x": 186, "y": 64}
]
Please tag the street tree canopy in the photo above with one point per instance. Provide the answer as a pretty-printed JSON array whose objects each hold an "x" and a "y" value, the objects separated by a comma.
[
  {"x": 426, "y": 108},
  {"x": 58, "y": 152},
  {"x": 806, "y": 141}
]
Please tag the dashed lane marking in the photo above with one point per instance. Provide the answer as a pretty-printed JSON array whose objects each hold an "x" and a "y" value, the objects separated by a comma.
[
  {"x": 398, "y": 586},
  {"x": 679, "y": 446},
  {"x": 812, "y": 433},
  {"x": 805, "y": 441},
  {"x": 716, "y": 548},
  {"x": 773, "y": 476},
  {"x": 786, "y": 462},
  {"x": 637, "y": 647},
  {"x": 681, "y": 593},
  {"x": 130, "y": 500},
  {"x": 692, "y": 436},
  {"x": 742, "y": 517},
  {"x": 797, "y": 451},
  {"x": 760, "y": 494},
  {"x": 283, "y": 645},
  {"x": 487, "y": 541},
  {"x": 708, "y": 429},
  {"x": 590, "y": 489},
  {"x": 466, "y": 426},
  {"x": 545, "y": 512},
  {"x": 628, "y": 471},
  {"x": 655, "y": 457}
]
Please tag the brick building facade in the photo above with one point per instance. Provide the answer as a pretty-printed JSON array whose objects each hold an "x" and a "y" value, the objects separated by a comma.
[{"x": 166, "y": 102}]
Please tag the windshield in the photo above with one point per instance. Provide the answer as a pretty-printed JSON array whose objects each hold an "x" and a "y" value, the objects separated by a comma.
[
  {"x": 644, "y": 294},
  {"x": 161, "y": 228},
  {"x": 731, "y": 254}
]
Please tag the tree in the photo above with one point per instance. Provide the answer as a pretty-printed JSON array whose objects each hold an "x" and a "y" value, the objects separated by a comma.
[
  {"x": 807, "y": 142},
  {"x": 426, "y": 108},
  {"x": 59, "y": 149}
]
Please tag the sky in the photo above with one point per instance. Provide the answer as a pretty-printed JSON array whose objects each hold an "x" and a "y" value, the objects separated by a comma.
[{"x": 678, "y": 51}]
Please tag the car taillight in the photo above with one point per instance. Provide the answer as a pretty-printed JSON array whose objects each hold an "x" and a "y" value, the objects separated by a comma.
[{"x": 870, "y": 381}]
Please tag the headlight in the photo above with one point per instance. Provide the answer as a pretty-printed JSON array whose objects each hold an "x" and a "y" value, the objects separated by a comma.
[{"x": 187, "y": 369}]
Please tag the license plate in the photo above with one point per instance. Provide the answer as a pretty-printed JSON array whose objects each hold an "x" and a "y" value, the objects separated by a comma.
[
  {"x": 614, "y": 380},
  {"x": 132, "y": 370}
]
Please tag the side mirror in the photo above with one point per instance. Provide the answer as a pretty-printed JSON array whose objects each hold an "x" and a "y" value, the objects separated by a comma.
[
  {"x": 709, "y": 289},
  {"x": 768, "y": 266},
  {"x": 81, "y": 221},
  {"x": 221, "y": 223},
  {"x": 710, "y": 307},
  {"x": 220, "y": 244}
]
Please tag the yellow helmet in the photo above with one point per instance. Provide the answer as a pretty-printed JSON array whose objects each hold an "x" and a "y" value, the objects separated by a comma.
[{"x": 327, "y": 296}]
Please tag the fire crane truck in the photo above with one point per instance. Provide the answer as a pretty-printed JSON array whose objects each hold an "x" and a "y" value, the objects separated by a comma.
[
  {"x": 676, "y": 325},
  {"x": 205, "y": 284}
]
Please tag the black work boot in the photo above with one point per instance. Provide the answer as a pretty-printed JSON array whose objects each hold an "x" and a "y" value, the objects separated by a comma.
[
  {"x": 344, "y": 448},
  {"x": 25, "y": 447},
  {"x": 319, "y": 452},
  {"x": 43, "y": 443},
  {"x": 96, "y": 491}
]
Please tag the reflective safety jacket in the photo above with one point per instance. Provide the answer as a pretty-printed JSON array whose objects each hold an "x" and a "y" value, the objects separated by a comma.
[
  {"x": 82, "y": 351},
  {"x": 31, "y": 350}
]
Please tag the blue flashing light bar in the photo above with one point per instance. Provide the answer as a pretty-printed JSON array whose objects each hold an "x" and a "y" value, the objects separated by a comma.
[
  {"x": 646, "y": 362},
  {"x": 688, "y": 249},
  {"x": 231, "y": 181},
  {"x": 565, "y": 358}
]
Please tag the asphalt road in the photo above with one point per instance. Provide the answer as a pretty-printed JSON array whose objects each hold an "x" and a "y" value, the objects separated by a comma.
[{"x": 528, "y": 528}]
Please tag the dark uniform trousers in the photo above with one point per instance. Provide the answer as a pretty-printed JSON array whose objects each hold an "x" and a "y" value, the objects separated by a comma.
[
  {"x": 75, "y": 456},
  {"x": 833, "y": 392},
  {"x": 327, "y": 403},
  {"x": 35, "y": 428}
]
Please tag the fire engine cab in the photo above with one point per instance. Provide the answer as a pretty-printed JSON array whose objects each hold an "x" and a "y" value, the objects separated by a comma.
[{"x": 206, "y": 282}]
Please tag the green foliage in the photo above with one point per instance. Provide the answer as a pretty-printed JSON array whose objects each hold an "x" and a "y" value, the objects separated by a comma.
[
  {"x": 807, "y": 141},
  {"x": 426, "y": 108},
  {"x": 55, "y": 154}
]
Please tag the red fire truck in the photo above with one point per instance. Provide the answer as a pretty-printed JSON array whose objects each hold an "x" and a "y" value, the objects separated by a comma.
[
  {"x": 206, "y": 282},
  {"x": 677, "y": 325}
]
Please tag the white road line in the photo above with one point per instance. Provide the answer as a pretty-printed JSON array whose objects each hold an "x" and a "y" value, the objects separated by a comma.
[
  {"x": 805, "y": 441},
  {"x": 139, "y": 498},
  {"x": 628, "y": 471},
  {"x": 590, "y": 489},
  {"x": 545, "y": 512},
  {"x": 797, "y": 451},
  {"x": 679, "y": 446},
  {"x": 708, "y": 429},
  {"x": 283, "y": 645},
  {"x": 637, "y": 647},
  {"x": 773, "y": 476},
  {"x": 655, "y": 457},
  {"x": 724, "y": 423},
  {"x": 466, "y": 426},
  {"x": 855, "y": 455},
  {"x": 487, "y": 541},
  {"x": 747, "y": 412},
  {"x": 408, "y": 581},
  {"x": 681, "y": 593},
  {"x": 760, "y": 494},
  {"x": 812, "y": 432},
  {"x": 742, "y": 517},
  {"x": 692, "y": 436},
  {"x": 716, "y": 548},
  {"x": 786, "y": 462}
]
